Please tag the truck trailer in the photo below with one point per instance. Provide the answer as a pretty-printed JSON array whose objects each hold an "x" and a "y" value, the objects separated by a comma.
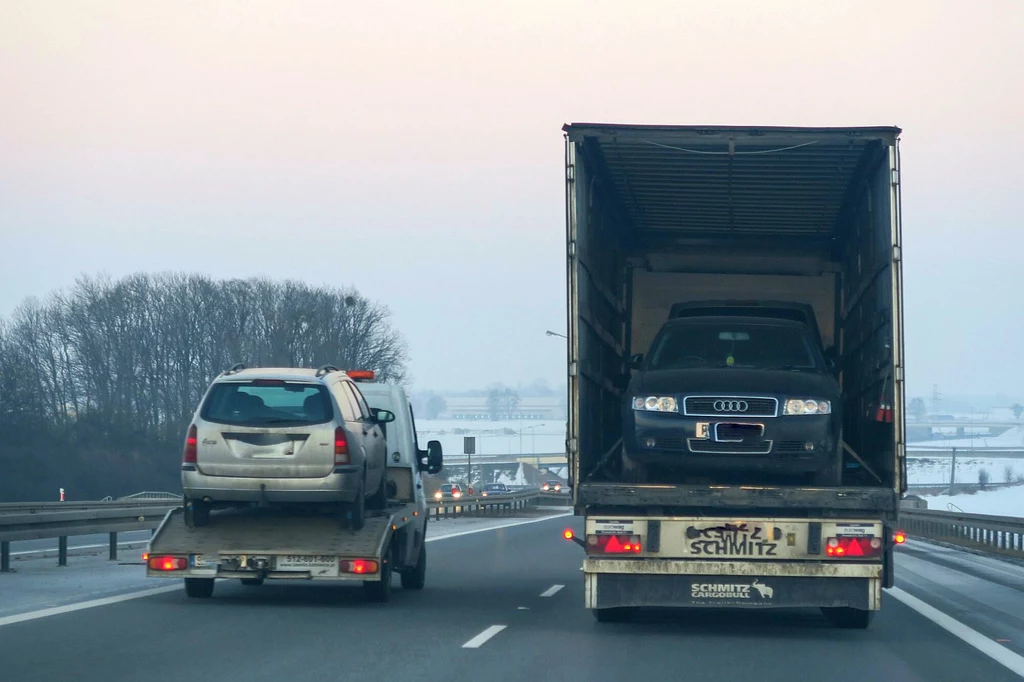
[{"x": 806, "y": 219}]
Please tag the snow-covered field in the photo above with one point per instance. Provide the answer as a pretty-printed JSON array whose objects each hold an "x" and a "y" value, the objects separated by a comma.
[
  {"x": 931, "y": 469},
  {"x": 494, "y": 438},
  {"x": 1003, "y": 502}
]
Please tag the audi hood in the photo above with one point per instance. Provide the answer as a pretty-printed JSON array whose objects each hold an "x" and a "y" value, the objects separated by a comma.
[{"x": 730, "y": 381}]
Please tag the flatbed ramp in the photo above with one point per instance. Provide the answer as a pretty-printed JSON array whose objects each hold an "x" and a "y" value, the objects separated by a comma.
[{"x": 274, "y": 534}]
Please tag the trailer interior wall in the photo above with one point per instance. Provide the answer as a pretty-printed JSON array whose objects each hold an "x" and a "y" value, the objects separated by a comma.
[{"x": 661, "y": 215}]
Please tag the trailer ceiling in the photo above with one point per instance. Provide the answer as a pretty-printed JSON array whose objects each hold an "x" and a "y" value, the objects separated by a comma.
[{"x": 679, "y": 185}]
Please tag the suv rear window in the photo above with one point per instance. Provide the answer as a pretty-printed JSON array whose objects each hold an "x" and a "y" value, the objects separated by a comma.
[
  {"x": 268, "y": 403},
  {"x": 732, "y": 344}
]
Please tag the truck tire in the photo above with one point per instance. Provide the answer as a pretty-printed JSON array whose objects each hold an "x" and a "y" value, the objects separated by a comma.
[
  {"x": 380, "y": 590},
  {"x": 199, "y": 588},
  {"x": 416, "y": 578},
  {"x": 616, "y": 615},
  {"x": 848, "y": 618},
  {"x": 197, "y": 513}
]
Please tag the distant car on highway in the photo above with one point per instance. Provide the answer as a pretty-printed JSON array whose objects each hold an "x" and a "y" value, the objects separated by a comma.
[
  {"x": 285, "y": 435},
  {"x": 448, "y": 491},
  {"x": 495, "y": 489},
  {"x": 552, "y": 486}
]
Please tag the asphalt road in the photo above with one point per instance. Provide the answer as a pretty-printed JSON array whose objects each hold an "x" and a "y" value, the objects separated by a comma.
[{"x": 477, "y": 583}]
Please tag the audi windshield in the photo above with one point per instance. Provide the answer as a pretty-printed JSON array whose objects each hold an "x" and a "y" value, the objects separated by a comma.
[{"x": 732, "y": 343}]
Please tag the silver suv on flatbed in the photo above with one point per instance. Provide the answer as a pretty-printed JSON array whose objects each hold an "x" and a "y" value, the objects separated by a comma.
[{"x": 274, "y": 436}]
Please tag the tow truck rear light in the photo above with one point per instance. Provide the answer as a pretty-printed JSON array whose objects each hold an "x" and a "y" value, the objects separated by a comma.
[
  {"x": 191, "y": 446},
  {"x": 341, "y": 447},
  {"x": 900, "y": 537},
  {"x": 359, "y": 566},
  {"x": 854, "y": 548},
  {"x": 167, "y": 563},
  {"x": 613, "y": 544}
]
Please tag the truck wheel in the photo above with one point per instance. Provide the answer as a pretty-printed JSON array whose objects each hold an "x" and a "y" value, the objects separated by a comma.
[
  {"x": 379, "y": 499},
  {"x": 199, "y": 588},
  {"x": 415, "y": 578},
  {"x": 848, "y": 618},
  {"x": 380, "y": 590},
  {"x": 616, "y": 615},
  {"x": 197, "y": 513}
]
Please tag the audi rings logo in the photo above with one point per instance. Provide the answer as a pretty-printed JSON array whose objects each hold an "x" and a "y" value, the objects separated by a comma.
[{"x": 731, "y": 406}]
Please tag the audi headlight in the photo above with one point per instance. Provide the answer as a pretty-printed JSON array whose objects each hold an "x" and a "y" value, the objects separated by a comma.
[
  {"x": 655, "y": 404},
  {"x": 796, "y": 406}
]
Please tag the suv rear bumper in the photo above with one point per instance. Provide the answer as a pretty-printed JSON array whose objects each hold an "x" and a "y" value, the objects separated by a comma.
[{"x": 339, "y": 486}]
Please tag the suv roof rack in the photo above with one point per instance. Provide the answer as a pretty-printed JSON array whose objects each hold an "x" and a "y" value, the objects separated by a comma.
[
  {"x": 234, "y": 370},
  {"x": 326, "y": 369}
]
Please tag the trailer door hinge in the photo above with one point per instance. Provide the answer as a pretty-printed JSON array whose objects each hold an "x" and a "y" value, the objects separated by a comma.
[
  {"x": 572, "y": 369},
  {"x": 897, "y": 253},
  {"x": 570, "y": 173},
  {"x": 895, "y": 177}
]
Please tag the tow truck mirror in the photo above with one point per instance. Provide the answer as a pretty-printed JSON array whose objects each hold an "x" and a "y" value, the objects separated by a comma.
[
  {"x": 636, "y": 361},
  {"x": 832, "y": 358},
  {"x": 435, "y": 460},
  {"x": 383, "y": 416}
]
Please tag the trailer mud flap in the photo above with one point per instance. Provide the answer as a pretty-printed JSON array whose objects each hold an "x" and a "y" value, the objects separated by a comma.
[{"x": 610, "y": 590}]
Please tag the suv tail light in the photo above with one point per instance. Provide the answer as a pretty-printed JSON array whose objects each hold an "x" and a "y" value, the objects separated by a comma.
[
  {"x": 341, "y": 447},
  {"x": 613, "y": 544},
  {"x": 191, "y": 446},
  {"x": 853, "y": 547}
]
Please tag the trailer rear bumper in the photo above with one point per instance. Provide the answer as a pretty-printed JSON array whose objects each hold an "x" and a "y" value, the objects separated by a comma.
[{"x": 695, "y": 584}]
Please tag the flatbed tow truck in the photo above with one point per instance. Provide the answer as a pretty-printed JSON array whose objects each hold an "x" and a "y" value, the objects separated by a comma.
[{"x": 306, "y": 544}]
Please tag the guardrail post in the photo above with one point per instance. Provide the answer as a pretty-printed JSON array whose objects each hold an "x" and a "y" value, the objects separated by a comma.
[
  {"x": 62, "y": 550},
  {"x": 5, "y": 557},
  {"x": 113, "y": 546}
]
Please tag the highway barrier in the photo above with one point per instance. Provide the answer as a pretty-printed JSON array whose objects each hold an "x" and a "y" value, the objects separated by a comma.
[
  {"x": 1002, "y": 535},
  {"x": 61, "y": 520}
]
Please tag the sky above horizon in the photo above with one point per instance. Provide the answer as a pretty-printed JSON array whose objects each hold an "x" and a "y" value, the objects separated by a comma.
[{"x": 421, "y": 145}]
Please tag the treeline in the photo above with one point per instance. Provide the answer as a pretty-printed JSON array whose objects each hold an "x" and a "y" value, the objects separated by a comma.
[{"x": 98, "y": 383}]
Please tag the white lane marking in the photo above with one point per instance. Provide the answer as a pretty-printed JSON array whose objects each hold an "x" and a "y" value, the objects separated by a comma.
[
  {"x": 34, "y": 615},
  {"x": 551, "y": 591},
  {"x": 985, "y": 645},
  {"x": 479, "y": 640},
  {"x": 510, "y": 524},
  {"x": 127, "y": 543}
]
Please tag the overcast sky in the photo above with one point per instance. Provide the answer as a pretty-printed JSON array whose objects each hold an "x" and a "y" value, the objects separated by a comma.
[{"x": 414, "y": 150}]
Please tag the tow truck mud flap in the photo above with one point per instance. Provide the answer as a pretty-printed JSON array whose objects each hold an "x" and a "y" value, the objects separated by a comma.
[{"x": 610, "y": 590}]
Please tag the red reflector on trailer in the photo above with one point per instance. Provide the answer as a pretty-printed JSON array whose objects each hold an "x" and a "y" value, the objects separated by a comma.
[
  {"x": 853, "y": 547},
  {"x": 614, "y": 544},
  {"x": 358, "y": 566},
  {"x": 168, "y": 563}
]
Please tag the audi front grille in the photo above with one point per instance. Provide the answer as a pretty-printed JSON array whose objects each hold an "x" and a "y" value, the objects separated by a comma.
[{"x": 730, "y": 406}]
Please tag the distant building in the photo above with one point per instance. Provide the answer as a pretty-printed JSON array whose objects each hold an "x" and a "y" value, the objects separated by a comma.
[{"x": 527, "y": 408}]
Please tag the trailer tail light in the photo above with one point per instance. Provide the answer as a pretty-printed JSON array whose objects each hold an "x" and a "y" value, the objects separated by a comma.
[
  {"x": 854, "y": 548},
  {"x": 613, "y": 544},
  {"x": 358, "y": 566},
  {"x": 900, "y": 537},
  {"x": 167, "y": 563},
  {"x": 567, "y": 534},
  {"x": 341, "y": 447},
  {"x": 190, "y": 455}
]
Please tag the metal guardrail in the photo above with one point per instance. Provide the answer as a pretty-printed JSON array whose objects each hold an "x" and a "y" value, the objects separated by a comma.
[
  {"x": 1003, "y": 535},
  {"x": 61, "y": 520}
]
